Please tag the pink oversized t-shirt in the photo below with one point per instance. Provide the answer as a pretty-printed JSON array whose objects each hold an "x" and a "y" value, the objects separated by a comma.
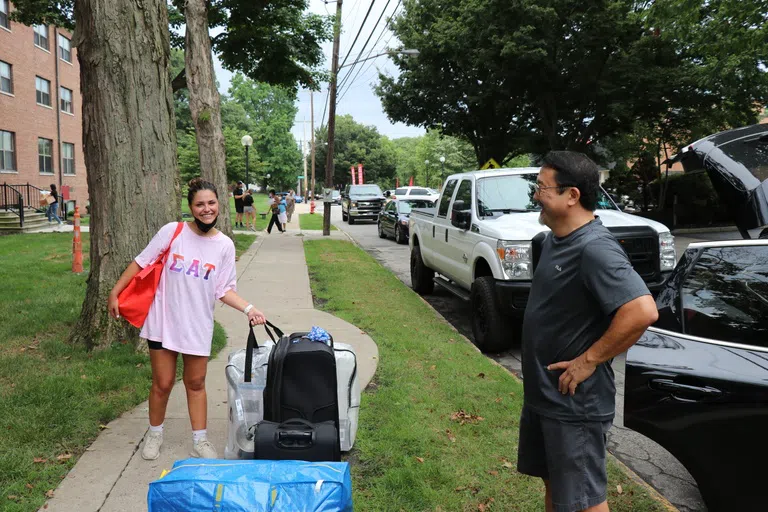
[{"x": 199, "y": 271}]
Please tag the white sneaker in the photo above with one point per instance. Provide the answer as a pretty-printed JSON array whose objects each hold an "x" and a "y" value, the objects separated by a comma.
[
  {"x": 203, "y": 449},
  {"x": 152, "y": 445}
]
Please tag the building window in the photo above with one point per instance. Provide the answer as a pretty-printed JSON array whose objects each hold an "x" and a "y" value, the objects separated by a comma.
[
  {"x": 4, "y": 10},
  {"x": 6, "y": 77},
  {"x": 41, "y": 36},
  {"x": 65, "y": 49},
  {"x": 68, "y": 158},
  {"x": 45, "y": 155},
  {"x": 66, "y": 100},
  {"x": 7, "y": 153},
  {"x": 43, "y": 91}
]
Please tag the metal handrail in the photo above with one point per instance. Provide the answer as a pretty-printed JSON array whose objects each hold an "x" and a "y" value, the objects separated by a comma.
[{"x": 9, "y": 191}]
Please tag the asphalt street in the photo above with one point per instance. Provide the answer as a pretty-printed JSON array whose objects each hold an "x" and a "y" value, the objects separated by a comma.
[{"x": 649, "y": 460}]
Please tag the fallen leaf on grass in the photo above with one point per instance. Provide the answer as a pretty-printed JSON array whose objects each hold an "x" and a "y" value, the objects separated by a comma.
[
  {"x": 13, "y": 497},
  {"x": 420, "y": 459},
  {"x": 102, "y": 427},
  {"x": 619, "y": 489},
  {"x": 493, "y": 472},
  {"x": 481, "y": 375},
  {"x": 498, "y": 400},
  {"x": 32, "y": 347},
  {"x": 139, "y": 365},
  {"x": 23, "y": 349},
  {"x": 450, "y": 435},
  {"x": 511, "y": 394},
  {"x": 482, "y": 507},
  {"x": 508, "y": 465},
  {"x": 432, "y": 367},
  {"x": 67, "y": 357},
  {"x": 40, "y": 460},
  {"x": 464, "y": 417},
  {"x": 30, "y": 486},
  {"x": 49, "y": 493},
  {"x": 64, "y": 456},
  {"x": 83, "y": 377}
]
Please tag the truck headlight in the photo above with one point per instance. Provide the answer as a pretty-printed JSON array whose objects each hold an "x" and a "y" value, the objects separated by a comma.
[
  {"x": 353, "y": 204},
  {"x": 667, "y": 253},
  {"x": 516, "y": 259}
]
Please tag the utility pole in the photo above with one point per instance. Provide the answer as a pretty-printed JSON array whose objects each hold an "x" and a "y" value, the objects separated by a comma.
[
  {"x": 304, "y": 157},
  {"x": 312, "y": 138},
  {"x": 332, "y": 119}
]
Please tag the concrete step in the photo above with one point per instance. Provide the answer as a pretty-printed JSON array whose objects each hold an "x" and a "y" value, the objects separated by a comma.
[{"x": 10, "y": 221}]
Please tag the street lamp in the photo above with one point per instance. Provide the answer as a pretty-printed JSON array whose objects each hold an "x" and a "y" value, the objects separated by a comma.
[
  {"x": 442, "y": 170},
  {"x": 408, "y": 52},
  {"x": 246, "y": 141},
  {"x": 426, "y": 167}
]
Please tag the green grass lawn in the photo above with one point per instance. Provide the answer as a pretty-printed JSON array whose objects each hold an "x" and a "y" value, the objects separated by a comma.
[
  {"x": 413, "y": 451},
  {"x": 242, "y": 243},
  {"x": 54, "y": 397},
  {"x": 310, "y": 221}
]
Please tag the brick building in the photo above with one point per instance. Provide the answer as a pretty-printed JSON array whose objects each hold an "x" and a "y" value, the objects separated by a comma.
[{"x": 41, "y": 139}]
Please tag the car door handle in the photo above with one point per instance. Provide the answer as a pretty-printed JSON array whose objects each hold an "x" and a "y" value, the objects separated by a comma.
[{"x": 685, "y": 392}]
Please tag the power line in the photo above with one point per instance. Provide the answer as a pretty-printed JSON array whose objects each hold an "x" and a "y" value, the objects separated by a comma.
[
  {"x": 358, "y": 33},
  {"x": 386, "y": 26},
  {"x": 368, "y": 40},
  {"x": 351, "y": 83}
]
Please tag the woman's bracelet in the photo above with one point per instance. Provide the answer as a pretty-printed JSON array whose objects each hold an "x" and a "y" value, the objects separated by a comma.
[{"x": 248, "y": 308}]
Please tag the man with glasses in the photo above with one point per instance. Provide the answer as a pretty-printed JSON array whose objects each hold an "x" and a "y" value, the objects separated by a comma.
[{"x": 586, "y": 306}]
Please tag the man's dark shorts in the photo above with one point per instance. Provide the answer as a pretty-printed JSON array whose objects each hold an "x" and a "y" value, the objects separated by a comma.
[
  {"x": 239, "y": 208},
  {"x": 570, "y": 455}
]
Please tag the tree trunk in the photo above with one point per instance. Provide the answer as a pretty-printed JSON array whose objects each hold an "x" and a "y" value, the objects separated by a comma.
[
  {"x": 130, "y": 146},
  {"x": 205, "y": 105}
]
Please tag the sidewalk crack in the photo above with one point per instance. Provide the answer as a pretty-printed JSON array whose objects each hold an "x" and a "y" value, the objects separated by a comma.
[{"x": 109, "y": 493}]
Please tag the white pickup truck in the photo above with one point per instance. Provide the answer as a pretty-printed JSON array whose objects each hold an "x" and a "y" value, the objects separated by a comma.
[{"x": 483, "y": 238}]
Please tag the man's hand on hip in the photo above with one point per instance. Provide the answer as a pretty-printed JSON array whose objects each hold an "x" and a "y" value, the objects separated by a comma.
[{"x": 575, "y": 372}]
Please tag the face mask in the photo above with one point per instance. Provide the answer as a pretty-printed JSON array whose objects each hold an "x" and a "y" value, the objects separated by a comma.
[{"x": 203, "y": 226}]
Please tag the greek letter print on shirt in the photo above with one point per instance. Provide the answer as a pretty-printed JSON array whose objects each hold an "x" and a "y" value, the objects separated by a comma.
[{"x": 194, "y": 268}]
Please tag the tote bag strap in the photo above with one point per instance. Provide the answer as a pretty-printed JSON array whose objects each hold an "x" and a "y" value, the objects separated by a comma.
[
  {"x": 179, "y": 227},
  {"x": 249, "y": 348}
]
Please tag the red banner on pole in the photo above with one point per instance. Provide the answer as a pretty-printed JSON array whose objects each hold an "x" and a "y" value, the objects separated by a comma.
[
  {"x": 397, "y": 182},
  {"x": 360, "y": 174},
  {"x": 352, "y": 170},
  {"x": 410, "y": 183}
]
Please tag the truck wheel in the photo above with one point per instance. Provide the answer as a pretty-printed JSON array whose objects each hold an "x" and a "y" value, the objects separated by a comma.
[
  {"x": 399, "y": 238},
  {"x": 488, "y": 327},
  {"x": 421, "y": 275},
  {"x": 343, "y": 216},
  {"x": 382, "y": 234},
  {"x": 351, "y": 219}
]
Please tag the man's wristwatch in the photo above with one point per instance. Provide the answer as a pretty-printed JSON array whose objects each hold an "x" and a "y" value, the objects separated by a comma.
[{"x": 248, "y": 308}]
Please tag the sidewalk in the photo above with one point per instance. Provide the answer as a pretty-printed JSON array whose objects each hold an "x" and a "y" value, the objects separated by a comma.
[{"x": 111, "y": 476}]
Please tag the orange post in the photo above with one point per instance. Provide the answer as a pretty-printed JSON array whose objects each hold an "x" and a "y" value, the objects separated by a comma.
[{"x": 77, "y": 245}]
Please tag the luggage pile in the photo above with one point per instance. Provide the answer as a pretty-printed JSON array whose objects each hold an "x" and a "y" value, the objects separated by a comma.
[{"x": 293, "y": 408}]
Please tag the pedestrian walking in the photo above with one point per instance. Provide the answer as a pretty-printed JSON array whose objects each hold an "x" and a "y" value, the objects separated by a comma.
[
  {"x": 248, "y": 210},
  {"x": 53, "y": 208},
  {"x": 586, "y": 306},
  {"x": 199, "y": 271},
  {"x": 274, "y": 208},
  {"x": 290, "y": 203},
  {"x": 282, "y": 215},
  {"x": 239, "y": 194}
]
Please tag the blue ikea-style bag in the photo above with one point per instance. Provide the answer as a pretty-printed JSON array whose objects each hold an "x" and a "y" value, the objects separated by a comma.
[{"x": 213, "y": 485}]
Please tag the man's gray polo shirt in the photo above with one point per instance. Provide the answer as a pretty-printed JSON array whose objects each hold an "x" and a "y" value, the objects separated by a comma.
[{"x": 579, "y": 283}]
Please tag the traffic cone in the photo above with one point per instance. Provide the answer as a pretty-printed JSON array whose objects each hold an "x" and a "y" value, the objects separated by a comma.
[{"x": 77, "y": 245}]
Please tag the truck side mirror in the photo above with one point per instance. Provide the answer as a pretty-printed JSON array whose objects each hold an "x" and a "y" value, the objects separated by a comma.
[{"x": 460, "y": 216}]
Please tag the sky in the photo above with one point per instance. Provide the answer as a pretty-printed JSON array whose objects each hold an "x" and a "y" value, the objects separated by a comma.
[{"x": 359, "y": 100}]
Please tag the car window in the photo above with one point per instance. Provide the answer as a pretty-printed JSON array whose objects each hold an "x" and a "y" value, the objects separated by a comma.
[
  {"x": 464, "y": 194},
  {"x": 445, "y": 199},
  {"x": 497, "y": 194},
  {"x": 366, "y": 190},
  {"x": 725, "y": 296},
  {"x": 418, "y": 192},
  {"x": 752, "y": 153},
  {"x": 401, "y": 191},
  {"x": 407, "y": 206}
]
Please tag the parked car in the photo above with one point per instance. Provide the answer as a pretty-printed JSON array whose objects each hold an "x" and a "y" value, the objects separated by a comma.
[
  {"x": 361, "y": 202},
  {"x": 736, "y": 162},
  {"x": 697, "y": 381},
  {"x": 484, "y": 240},
  {"x": 336, "y": 197},
  {"x": 416, "y": 193},
  {"x": 393, "y": 220}
]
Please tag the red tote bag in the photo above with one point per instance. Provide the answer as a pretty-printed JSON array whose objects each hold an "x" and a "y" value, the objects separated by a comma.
[{"x": 134, "y": 301}]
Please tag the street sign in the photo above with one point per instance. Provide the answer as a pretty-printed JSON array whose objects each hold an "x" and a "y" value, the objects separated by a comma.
[
  {"x": 301, "y": 177},
  {"x": 491, "y": 164}
]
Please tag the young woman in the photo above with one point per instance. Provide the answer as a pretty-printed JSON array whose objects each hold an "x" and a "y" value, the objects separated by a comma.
[
  {"x": 53, "y": 208},
  {"x": 200, "y": 269}
]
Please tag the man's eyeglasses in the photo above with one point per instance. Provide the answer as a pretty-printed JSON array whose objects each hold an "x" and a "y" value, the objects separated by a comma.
[{"x": 538, "y": 188}]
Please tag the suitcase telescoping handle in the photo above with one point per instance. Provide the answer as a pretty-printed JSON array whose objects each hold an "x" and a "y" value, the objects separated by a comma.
[{"x": 301, "y": 437}]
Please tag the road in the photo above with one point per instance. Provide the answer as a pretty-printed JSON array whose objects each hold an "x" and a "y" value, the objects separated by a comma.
[{"x": 646, "y": 458}]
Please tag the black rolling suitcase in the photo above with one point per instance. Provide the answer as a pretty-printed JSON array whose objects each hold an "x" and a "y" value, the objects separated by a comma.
[
  {"x": 296, "y": 439},
  {"x": 301, "y": 385}
]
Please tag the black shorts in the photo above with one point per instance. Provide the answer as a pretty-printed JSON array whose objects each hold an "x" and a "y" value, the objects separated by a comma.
[
  {"x": 154, "y": 345},
  {"x": 570, "y": 455},
  {"x": 239, "y": 208}
]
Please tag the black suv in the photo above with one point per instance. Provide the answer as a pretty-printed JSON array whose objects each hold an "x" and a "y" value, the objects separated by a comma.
[{"x": 361, "y": 202}]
